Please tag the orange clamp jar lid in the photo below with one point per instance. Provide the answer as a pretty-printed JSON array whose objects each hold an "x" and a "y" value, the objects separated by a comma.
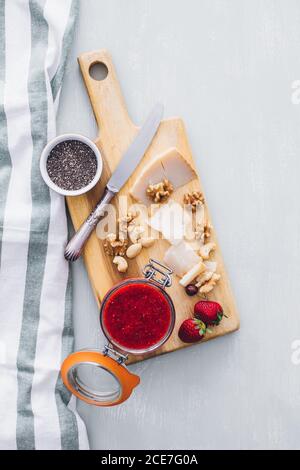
[{"x": 97, "y": 378}]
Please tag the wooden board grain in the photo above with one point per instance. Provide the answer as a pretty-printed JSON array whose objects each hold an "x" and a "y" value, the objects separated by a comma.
[{"x": 116, "y": 132}]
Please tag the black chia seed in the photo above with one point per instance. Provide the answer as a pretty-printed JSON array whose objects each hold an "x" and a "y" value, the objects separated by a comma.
[{"x": 71, "y": 165}]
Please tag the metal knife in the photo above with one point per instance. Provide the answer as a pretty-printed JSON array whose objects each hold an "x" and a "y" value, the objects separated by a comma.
[{"x": 127, "y": 165}]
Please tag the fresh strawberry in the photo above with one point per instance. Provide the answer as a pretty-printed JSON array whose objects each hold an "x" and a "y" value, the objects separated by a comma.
[
  {"x": 211, "y": 313},
  {"x": 192, "y": 330}
]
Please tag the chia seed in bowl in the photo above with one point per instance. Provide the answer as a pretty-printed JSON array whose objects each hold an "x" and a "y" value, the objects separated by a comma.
[{"x": 71, "y": 165}]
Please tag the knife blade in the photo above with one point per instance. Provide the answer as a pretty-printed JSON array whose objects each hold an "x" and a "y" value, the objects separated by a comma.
[
  {"x": 124, "y": 170},
  {"x": 136, "y": 150}
]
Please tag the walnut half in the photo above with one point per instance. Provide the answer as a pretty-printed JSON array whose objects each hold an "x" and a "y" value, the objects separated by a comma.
[
  {"x": 193, "y": 199},
  {"x": 114, "y": 246},
  {"x": 160, "y": 191},
  {"x": 203, "y": 231},
  {"x": 126, "y": 222}
]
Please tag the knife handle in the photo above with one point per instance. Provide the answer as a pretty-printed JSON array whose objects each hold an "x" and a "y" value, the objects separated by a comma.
[{"x": 74, "y": 247}]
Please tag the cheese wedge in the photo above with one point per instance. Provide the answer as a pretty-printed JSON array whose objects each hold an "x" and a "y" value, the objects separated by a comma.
[{"x": 170, "y": 165}]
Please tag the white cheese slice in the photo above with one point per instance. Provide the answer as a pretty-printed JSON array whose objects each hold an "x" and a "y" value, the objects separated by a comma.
[
  {"x": 181, "y": 258},
  {"x": 192, "y": 274},
  {"x": 170, "y": 165},
  {"x": 171, "y": 220}
]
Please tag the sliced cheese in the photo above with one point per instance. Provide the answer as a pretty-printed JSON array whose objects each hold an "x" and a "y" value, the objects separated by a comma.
[
  {"x": 171, "y": 220},
  {"x": 192, "y": 274},
  {"x": 170, "y": 165},
  {"x": 181, "y": 258}
]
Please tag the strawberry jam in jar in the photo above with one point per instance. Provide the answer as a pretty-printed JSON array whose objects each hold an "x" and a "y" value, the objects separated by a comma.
[{"x": 137, "y": 317}]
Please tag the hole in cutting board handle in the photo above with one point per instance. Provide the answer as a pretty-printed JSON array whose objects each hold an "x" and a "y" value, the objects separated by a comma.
[{"x": 98, "y": 71}]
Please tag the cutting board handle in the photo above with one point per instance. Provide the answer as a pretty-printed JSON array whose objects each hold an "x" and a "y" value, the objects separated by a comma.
[{"x": 105, "y": 95}]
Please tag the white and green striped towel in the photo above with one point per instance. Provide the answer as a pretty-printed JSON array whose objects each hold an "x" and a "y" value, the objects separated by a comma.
[{"x": 35, "y": 311}]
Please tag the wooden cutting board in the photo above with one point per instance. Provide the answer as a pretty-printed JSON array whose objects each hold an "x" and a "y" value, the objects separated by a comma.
[{"x": 116, "y": 132}]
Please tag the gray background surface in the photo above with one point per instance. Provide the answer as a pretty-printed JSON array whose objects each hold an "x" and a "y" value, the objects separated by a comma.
[{"x": 227, "y": 68}]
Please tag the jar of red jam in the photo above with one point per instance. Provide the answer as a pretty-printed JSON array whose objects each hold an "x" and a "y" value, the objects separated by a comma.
[{"x": 137, "y": 317}]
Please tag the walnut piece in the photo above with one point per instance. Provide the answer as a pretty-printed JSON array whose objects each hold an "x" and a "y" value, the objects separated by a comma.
[
  {"x": 203, "y": 231},
  {"x": 207, "y": 230},
  {"x": 193, "y": 199},
  {"x": 160, "y": 191},
  {"x": 125, "y": 222},
  {"x": 114, "y": 246}
]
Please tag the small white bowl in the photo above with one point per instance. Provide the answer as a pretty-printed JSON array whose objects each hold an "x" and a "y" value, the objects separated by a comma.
[{"x": 45, "y": 155}]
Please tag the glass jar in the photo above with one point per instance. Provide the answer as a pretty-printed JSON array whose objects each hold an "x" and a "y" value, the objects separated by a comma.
[{"x": 137, "y": 317}]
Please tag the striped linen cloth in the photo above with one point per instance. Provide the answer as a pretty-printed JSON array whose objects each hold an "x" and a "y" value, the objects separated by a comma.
[{"x": 36, "y": 411}]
